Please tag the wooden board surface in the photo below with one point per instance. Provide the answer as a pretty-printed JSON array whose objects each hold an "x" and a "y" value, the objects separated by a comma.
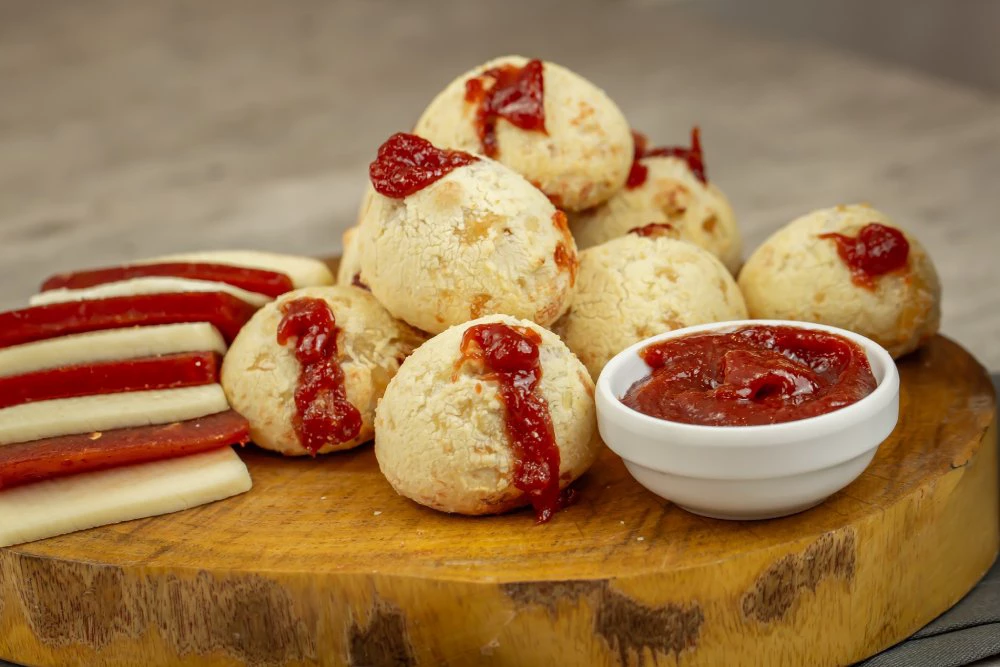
[{"x": 322, "y": 563}]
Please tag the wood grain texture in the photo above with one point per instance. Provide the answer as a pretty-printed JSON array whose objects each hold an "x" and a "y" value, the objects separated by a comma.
[{"x": 322, "y": 563}]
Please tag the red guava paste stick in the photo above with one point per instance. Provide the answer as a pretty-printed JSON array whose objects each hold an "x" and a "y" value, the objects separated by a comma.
[{"x": 51, "y": 458}]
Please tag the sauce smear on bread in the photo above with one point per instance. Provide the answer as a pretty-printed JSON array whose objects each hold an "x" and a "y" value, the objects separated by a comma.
[
  {"x": 323, "y": 413},
  {"x": 516, "y": 94},
  {"x": 510, "y": 357}
]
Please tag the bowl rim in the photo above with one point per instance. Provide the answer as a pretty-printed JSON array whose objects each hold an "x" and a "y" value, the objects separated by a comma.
[{"x": 729, "y": 436}]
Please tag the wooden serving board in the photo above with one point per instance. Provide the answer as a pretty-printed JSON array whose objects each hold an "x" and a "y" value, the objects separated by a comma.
[{"x": 322, "y": 563}]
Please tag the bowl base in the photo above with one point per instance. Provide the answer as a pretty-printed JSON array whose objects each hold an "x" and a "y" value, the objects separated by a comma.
[{"x": 752, "y": 515}]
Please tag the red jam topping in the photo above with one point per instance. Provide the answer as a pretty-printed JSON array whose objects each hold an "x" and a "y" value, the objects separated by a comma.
[
  {"x": 357, "y": 282},
  {"x": 510, "y": 357},
  {"x": 224, "y": 311},
  {"x": 407, "y": 164},
  {"x": 693, "y": 156},
  {"x": 876, "y": 250},
  {"x": 111, "y": 377},
  {"x": 655, "y": 230},
  {"x": 269, "y": 283},
  {"x": 50, "y": 458},
  {"x": 516, "y": 94},
  {"x": 638, "y": 173},
  {"x": 323, "y": 413},
  {"x": 752, "y": 376}
]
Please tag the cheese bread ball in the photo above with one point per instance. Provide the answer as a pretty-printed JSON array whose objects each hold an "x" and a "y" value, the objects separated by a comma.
[
  {"x": 349, "y": 271},
  {"x": 260, "y": 376},
  {"x": 441, "y": 437},
  {"x": 673, "y": 194},
  {"x": 797, "y": 275},
  {"x": 634, "y": 287},
  {"x": 580, "y": 160},
  {"x": 479, "y": 240}
]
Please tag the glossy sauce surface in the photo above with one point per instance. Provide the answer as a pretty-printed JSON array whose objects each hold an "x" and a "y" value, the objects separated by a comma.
[
  {"x": 752, "y": 376},
  {"x": 694, "y": 157},
  {"x": 268, "y": 283},
  {"x": 510, "y": 357},
  {"x": 323, "y": 413},
  {"x": 51, "y": 458},
  {"x": 516, "y": 94},
  {"x": 875, "y": 251},
  {"x": 406, "y": 164}
]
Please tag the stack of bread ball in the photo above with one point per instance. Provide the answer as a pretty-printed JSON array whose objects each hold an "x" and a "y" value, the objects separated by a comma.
[{"x": 523, "y": 199}]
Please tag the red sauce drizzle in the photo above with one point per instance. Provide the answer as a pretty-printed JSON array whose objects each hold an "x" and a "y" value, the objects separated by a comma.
[
  {"x": 694, "y": 157},
  {"x": 510, "y": 357},
  {"x": 516, "y": 94},
  {"x": 638, "y": 173},
  {"x": 876, "y": 250},
  {"x": 323, "y": 413},
  {"x": 752, "y": 376},
  {"x": 357, "y": 282},
  {"x": 407, "y": 164},
  {"x": 655, "y": 230}
]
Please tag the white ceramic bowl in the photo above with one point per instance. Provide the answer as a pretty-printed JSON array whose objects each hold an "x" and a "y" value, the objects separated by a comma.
[{"x": 747, "y": 472}]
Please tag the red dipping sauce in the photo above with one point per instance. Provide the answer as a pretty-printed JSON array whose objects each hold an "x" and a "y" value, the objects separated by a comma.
[
  {"x": 406, "y": 164},
  {"x": 510, "y": 358},
  {"x": 694, "y": 157},
  {"x": 516, "y": 94},
  {"x": 323, "y": 413},
  {"x": 875, "y": 251},
  {"x": 752, "y": 376}
]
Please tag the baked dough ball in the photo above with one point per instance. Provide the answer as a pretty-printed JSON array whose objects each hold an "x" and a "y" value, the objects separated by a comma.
[
  {"x": 581, "y": 159},
  {"x": 349, "y": 271},
  {"x": 480, "y": 240},
  {"x": 634, "y": 287},
  {"x": 441, "y": 426},
  {"x": 797, "y": 275},
  {"x": 260, "y": 376},
  {"x": 671, "y": 193}
]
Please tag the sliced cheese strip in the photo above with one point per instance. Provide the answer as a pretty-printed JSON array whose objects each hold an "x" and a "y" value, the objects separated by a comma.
[
  {"x": 61, "y": 506},
  {"x": 304, "y": 271},
  {"x": 86, "y": 414},
  {"x": 136, "y": 286},
  {"x": 111, "y": 345}
]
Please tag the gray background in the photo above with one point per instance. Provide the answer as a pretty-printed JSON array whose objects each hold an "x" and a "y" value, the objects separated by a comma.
[{"x": 130, "y": 129}]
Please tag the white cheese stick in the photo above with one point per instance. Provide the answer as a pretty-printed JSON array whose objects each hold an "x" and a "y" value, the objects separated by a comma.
[
  {"x": 111, "y": 345},
  {"x": 87, "y": 414},
  {"x": 59, "y": 506},
  {"x": 150, "y": 285},
  {"x": 303, "y": 271}
]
